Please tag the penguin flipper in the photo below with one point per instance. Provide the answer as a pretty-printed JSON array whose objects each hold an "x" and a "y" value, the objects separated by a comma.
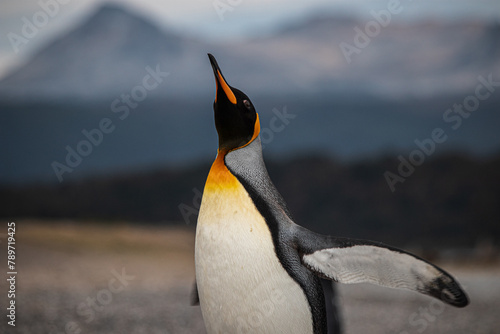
[{"x": 358, "y": 261}]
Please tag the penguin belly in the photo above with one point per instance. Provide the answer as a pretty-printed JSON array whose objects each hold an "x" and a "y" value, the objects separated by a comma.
[{"x": 242, "y": 286}]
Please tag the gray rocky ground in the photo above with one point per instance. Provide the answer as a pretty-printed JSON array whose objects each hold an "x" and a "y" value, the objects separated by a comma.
[{"x": 88, "y": 278}]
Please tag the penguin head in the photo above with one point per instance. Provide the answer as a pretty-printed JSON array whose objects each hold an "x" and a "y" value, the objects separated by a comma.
[{"x": 236, "y": 121}]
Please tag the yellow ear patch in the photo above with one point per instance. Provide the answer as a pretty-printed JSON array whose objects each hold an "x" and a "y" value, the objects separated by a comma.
[
  {"x": 256, "y": 130},
  {"x": 225, "y": 87}
]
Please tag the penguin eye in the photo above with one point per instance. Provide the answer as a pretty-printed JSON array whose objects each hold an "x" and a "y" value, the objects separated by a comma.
[{"x": 247, "y": 104}]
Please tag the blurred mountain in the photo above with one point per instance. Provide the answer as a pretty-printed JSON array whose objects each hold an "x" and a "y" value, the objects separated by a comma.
[
  {"x": 395, "y": 89},
  {"x": 108, "y": 55},
  {"x": 421, "y": 58}
]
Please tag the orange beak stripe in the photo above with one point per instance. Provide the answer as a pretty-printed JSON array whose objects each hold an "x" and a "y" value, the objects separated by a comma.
[{"x": 225, "y": 88}]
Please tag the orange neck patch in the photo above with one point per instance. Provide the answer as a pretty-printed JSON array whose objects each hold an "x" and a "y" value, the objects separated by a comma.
[{"x": 220, "y": 177}]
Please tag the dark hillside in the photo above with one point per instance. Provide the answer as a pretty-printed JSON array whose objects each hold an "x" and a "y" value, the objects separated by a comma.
[{"x": 447, "y": 201}]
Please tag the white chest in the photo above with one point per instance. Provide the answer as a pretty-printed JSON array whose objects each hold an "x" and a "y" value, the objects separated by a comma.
[{"x": 242, "y": 286}]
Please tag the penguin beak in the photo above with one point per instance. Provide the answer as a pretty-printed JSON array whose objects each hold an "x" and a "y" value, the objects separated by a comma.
[{"x": 222, "y": 88}]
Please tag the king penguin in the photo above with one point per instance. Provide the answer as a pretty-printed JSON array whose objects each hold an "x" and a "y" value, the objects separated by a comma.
[{"x": 257, "y": 271}]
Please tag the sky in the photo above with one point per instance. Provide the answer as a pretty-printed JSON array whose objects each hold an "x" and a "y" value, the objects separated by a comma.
[{"x": 234, "y": 18}]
